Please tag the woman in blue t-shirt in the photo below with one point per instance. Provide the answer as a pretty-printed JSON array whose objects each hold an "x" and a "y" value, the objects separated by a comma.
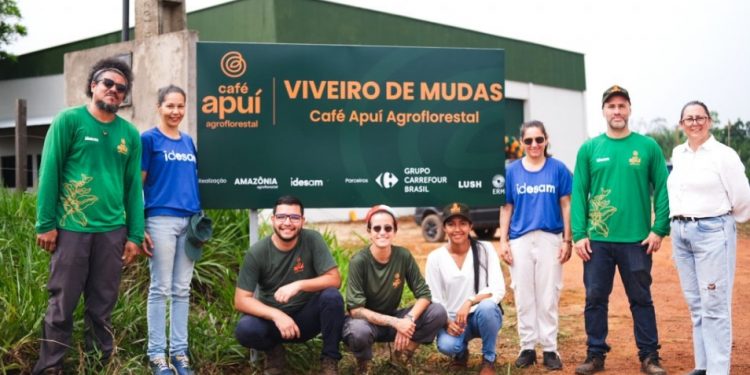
[
  {"x": 535, "y": 241},
  {"x": 170, "y": 187}
]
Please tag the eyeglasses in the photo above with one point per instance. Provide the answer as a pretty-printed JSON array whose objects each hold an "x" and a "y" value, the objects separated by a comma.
[
  {"x": 294, "y": 218},
  {"x": 700, "y": 120},
  {"x": 386, "y": 228},
  {"x": 528, "y": 141},
  {"x": 108, "y": 83}
]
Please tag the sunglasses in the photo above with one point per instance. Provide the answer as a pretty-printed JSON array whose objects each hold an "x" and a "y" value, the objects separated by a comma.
[
  {"x": 386, "y": 228},
  {"x": 294, "y": 218},
  {"x": 528, "y": 141},
  {"x": 108, "y": 83}
]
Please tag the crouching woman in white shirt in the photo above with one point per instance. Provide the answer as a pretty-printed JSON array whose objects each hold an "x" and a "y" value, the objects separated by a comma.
[{"x": 464, "y": 276}]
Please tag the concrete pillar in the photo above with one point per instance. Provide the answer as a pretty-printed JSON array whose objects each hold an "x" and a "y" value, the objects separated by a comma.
[{"x": 156, "y": 17}]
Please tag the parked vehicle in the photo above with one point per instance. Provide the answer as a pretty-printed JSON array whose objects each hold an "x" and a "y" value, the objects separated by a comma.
[{"x": 486, "y": 220}]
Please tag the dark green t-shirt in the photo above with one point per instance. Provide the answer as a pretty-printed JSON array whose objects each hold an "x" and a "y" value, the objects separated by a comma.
[
  {"x": 268, "y": 268},
  {"x": 378, "y": 287}
]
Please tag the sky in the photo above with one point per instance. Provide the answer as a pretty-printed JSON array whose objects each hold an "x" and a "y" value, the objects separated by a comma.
[{"x": 664, "y": 52}]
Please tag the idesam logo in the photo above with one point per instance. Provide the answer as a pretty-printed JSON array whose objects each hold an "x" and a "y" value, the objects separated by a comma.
[
  {"x": 233, "y": 65},
  {"x": 386, "y": 180}
]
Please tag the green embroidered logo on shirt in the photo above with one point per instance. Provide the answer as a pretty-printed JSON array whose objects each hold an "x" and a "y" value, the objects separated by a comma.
[{"x": 75, "y": 199}]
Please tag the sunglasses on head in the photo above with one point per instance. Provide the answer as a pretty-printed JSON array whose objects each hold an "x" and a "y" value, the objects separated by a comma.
[
  {"x": 386, "y": 228},
  {"x": 108, "y": 83},
  {"x": 528, "y": 141}
]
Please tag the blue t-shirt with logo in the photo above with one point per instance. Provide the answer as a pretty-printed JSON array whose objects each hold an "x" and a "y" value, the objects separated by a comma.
[
  {"x": 535, "y": 196},
  {"x": 171, "y": 186}
]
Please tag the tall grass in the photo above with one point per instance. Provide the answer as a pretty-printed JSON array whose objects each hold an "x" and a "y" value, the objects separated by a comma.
[{"x": 214, "y": 350}]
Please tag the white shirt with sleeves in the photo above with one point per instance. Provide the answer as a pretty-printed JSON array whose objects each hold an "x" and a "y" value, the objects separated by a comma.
[
  {"x": 708, "y": 182},
  {"x": 452, "y": 286}
]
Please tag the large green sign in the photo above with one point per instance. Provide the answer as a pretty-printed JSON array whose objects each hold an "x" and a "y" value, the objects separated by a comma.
[{"x": 349, "y": 126}]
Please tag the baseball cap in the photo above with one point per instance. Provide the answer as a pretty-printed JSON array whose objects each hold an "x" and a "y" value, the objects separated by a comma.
[
  {"x": 615, "y": 90},
  {"x": 382, "y": 208},
  {"x": 456, "y": 209}
]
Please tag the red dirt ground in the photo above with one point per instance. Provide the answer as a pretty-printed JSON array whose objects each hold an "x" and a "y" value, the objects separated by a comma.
[{"x": 671, "y": 311}]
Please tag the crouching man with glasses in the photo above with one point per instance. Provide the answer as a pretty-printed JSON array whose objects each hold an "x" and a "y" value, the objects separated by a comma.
[
  {"x": 288, "y": 291},
  {"x": 377, "y": 275}
]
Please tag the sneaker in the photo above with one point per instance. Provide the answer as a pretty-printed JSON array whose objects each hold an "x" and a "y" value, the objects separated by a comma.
[
  {"x": 363, "y": 367},
  {"x": 488, "y": 368},
  {"x": 551, "y": 361},
  {"x": 592, "y": 365},
  {"x": 697, "y": 372},
  {"x": 460, "y": 361},
  {"x": 53, "y": 371},
  {"x": 159, "y": 366},
  {"x": 329, "y": 366},
  {"x": 526, "y": 358},
  {"x": 275, "y": 361},
  {"x": 651, "y": 366},
  {"x": 181, "y": 364}
]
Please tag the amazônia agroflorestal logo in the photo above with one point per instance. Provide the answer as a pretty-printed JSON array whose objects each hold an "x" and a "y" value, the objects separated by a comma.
[{"x": 233, "y": 65}]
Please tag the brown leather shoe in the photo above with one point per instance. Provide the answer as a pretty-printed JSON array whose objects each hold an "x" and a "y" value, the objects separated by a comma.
[
  {"x": 363, "y": 367},
  {"x": 329, "y": 366},
  {"x": 488, "y": 368},
  {"x": 275, "y": 361},
  {"x": 592, "y": 365},
  {"x": 652, "y": 366}
]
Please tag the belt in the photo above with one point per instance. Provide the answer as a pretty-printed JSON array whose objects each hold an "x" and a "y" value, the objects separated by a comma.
[{"x": 688, "y": 218}]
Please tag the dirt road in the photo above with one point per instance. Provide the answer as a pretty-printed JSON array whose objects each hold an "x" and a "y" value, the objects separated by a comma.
[{"x": 671, "y": 311}]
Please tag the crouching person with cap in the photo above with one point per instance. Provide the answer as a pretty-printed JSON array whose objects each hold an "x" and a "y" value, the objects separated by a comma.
[
  {"x": 464, "y": 276},
  {"x": 376, "y": 282},
  {"x": 288, "y": 291}
]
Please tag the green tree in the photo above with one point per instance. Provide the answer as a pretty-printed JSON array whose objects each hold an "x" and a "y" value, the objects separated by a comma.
[
  {"x": 10, "y": 29},
  {"x": 737, "y": 136}
]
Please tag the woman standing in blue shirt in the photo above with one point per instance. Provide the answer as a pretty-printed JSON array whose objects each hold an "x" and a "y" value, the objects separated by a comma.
[
  {"x": 535, "y": 241},
  {"x": 170, "y": 186}
]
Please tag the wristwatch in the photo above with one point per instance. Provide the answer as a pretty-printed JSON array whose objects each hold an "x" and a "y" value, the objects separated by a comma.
[{"x": 472, "y": 299}]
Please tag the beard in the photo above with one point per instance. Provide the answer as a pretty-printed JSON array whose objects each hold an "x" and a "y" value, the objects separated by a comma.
[
  {"x": 111, "y": 108},
  {"x": 286, "y": 239}
]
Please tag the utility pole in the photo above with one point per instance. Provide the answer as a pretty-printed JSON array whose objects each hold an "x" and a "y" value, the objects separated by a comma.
[{"x": 21, "y": 166}]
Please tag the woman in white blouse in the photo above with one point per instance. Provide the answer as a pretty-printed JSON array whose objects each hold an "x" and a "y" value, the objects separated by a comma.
[
  {"x": 708, "y": 193},
  {"x": 464, "y": 276}
]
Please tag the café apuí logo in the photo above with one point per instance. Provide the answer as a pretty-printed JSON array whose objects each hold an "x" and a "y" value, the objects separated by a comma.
[
  {"x": 233, "y": 65},
  {"x": 232, "y": 98}
]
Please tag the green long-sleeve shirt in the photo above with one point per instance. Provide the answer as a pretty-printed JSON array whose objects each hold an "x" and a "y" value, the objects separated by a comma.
[
  {"x": 90, "y": 176},
  {"x": 612, "y": 185}
]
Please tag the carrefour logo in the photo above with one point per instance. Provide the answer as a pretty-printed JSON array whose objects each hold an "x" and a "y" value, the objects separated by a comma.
[
  {"x": 386, "y": 180},
  {"x": 233, "y": 65}
]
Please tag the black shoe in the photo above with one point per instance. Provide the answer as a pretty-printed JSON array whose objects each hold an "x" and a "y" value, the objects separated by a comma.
[
  {"x": 551, "y": 361},
  {"x": 461, "y": 361},
  {"x": 697, "y": 372},
  {"x": 652, "y": 366},
  {"x": 526, "y": 358},
  {"x": 592, "y": 365}
]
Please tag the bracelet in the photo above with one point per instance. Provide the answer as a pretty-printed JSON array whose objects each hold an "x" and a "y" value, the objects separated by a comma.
[{"x": 410, "y": 317}]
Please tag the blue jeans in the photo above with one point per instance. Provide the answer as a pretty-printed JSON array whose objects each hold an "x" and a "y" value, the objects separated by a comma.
[
  {"x": 484, "y": 322},
  {"x": 171, "y": 272},
  {"x": 323, "y": 313},
  {"x": 634, "y": 266},
  {"x": 704, "y": 252}
]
